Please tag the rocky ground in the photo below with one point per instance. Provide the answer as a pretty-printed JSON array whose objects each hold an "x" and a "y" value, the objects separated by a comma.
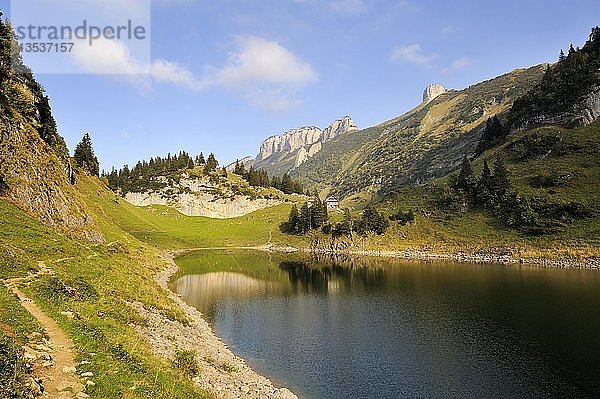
[{"x": 221, "y": 372}]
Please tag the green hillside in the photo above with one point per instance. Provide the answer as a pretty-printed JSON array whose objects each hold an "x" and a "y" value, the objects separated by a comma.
[{"x": 427, "y": 142}]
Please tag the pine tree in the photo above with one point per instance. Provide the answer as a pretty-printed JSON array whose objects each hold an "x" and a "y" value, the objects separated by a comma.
[
  {"x": 561, "y": 56},
  {"x": 293, "y": 220},
  {"x": 304, "y": 220},
  {"x": 211, "y": 164},
  {"x": 317, "y": 214},
  {"x": 239, "y": 168},
  {"x": 484, "y": 185},
  {"x": 85, "y": 158},
  {"x": 200, "y": 161},
  {"x": 287, "y": 184},
  {"x": 276, "y": 183},
  {"x": 466, "y": 181},
  {"x": 500, "y": 180}
]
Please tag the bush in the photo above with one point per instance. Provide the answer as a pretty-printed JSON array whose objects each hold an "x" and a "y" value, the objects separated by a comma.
[
  {"x": 185, "y": 360},
  {"x": 403, "y": 218}
]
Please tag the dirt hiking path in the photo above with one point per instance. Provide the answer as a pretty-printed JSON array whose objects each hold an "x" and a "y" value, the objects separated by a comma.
[{"x": 58, "y": 372}]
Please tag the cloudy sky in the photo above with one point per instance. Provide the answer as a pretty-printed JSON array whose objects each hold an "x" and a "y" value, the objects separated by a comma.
[{"x": 223, "y": 75}]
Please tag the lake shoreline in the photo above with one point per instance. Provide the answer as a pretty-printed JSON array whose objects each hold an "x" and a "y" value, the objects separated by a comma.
[
  {"x": 223, "y": 373},
  {"x": 461, "y": 257}
]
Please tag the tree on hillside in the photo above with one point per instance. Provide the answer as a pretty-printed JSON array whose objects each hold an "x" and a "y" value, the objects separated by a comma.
[
  {"x": 239, "y": 168},
  {"x": 345, "y": 227},
  {"x": 484, "y": 186},
  {"x": 561, "y": 56},
  {"x": 211, "y": 164},
  {"x": 85, "y": 158},
  {"x": 304, "y": 220},
  {"x": 317, "y": 213},
  {"x": 373, "y": 221},
  {"x": 500, "y": 180},
  {"x": 465, "y": 182},
  {"x": 293, "y": 223},
  {"x": 200, "y": 161},
  {"x": 494, "y": 134},
  {"x": 287, "y": 184}
]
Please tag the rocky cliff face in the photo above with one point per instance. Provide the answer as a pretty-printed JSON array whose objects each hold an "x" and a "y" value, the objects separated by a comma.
[
  {"x": 302, "y": 143},
  {"x": 201, "y": 197},
  {"x": 34, "y": 165},
  {"x": 432, "y": 91}
]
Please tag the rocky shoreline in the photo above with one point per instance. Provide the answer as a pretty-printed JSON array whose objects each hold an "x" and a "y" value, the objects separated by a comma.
[{"x": 223, "y": 373}]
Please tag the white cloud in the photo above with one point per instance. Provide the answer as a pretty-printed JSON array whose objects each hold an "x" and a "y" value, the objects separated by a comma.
[
  {"x": 413, "y": 54},
  {"x": 262, "y": 61},
  {"x": 263, "y": 71},
  {"x": 457, "y": 65},
  {"x": 112, "y": 57}
]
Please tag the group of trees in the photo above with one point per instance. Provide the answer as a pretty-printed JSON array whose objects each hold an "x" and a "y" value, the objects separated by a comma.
[
  {"x": 563, "y": 85},
  {"x": 493, "y": 192},
  {"x": 85, "y": 158},
  {"x": 315, "y": 217},
  {"x": 144, "y": 175},
  {"x": 488, "y": 191},
  {"x": 307, "y": 218},
  {"x": 260, "y": 178}
]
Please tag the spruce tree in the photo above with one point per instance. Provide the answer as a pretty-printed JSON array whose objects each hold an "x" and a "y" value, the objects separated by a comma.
[
  {"x": 500, "y": 180},
  {"x": 466, "y": 180},
  {"x": 239, "y": 169},
  {"x": 211, "y": 164},
  {"x": 293, "y": 220},
  {"x": 561, "y": 56},
  {"x": 304, "y": 220},
  {"x": 85, "y": 158},
  {"x": 484, "y": 185},
  {"x": 287, "y": 184},
  {"x": 317, "y": 214}
]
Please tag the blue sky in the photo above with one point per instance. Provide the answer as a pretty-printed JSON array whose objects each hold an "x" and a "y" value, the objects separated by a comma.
[{"x": 224, "y": 75}]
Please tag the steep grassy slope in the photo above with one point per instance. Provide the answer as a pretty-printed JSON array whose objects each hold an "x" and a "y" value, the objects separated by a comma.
[
  {"x": 104, "y": 277},
  {"x": 34, "y": 161},
  {"x": 425, "y": 143},
  {"x": 563, "y": 170}
]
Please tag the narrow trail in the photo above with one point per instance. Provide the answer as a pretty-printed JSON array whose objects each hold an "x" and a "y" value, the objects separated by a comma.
[{"x": 58, "y": 376}]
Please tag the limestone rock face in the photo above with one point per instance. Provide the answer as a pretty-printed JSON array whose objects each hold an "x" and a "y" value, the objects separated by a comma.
[
  {"x": 432, "y": 91},
  {"x": 306, "y": 141},
  {"x": 339, "y": 127},
  {"x": 201, "y": 197}
]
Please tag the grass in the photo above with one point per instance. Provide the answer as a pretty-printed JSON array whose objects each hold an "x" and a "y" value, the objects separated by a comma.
[{"x": 105, "y": 278}]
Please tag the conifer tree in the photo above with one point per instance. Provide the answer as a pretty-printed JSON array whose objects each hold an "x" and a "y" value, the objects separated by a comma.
[
  {"x": 561, "y": 56},
  {"x": 317, "y": 214},
  {"x": 239, "y": 169},
  {"x": 304, "y": 220},
  {"x": 211, "y": 164},
  {"x": 484, "y": 185},
  {"x": 500, "y": 180},
  {"x": 465, "y": 181},
  {"x": 293, "y": 220},
  {"x": 287, "y": 184},
  {"x": 84, "y": 156}
]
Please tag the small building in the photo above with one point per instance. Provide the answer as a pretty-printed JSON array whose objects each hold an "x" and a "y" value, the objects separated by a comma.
[
  {"x": 332, "y": 203},
  {"x": 310, "y": 201}
]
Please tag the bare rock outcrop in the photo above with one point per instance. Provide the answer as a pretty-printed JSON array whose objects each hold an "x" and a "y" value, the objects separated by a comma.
[
  {"x": 432, "y": 91},
  {"x": 201, "y": 197},
  {"x": 304, "y": 141}
]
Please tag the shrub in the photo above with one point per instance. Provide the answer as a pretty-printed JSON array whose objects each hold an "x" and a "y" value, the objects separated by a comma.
[{"x": 185, "y": 360}]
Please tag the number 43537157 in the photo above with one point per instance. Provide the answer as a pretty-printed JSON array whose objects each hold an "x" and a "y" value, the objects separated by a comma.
[{"x": 32, "y": 47}]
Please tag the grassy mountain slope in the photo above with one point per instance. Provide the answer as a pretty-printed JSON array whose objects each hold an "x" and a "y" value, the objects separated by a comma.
[
  {"x": 424, "y": 143},
  {"x": 34, "y": 162}
]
